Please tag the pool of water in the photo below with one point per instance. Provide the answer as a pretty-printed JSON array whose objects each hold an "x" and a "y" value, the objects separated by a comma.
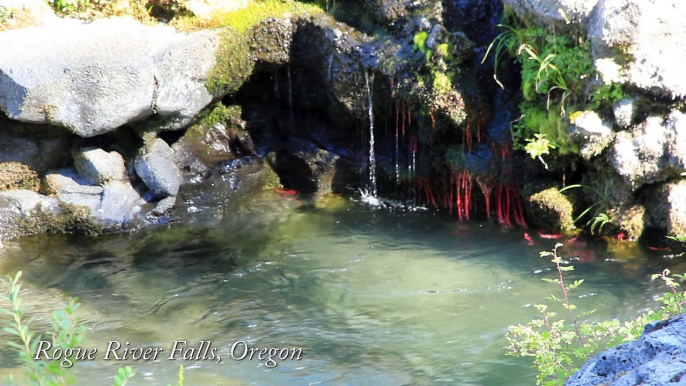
[{"x": 371, "y": 296}]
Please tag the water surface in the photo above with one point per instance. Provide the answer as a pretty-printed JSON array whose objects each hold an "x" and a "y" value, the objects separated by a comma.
[{"x": 372, "y": 296}]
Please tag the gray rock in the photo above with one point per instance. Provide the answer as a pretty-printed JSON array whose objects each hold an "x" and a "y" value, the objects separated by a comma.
[
  {"x": 307, "y": 167},
  {"x": 592, "y": 134},
  {"x": 657, "y": 358},
  {"x": 652, "y": 151},
  {"x": 554, "y": 11},
  {"x": 641, "y": 43},
  {"x": 666, "y": 206},
  {"x": 434, "y": 36},
  {"x": 273, "y": 41},
  {"x": 18, "y": 204},
  {"x": 70, "y": 188},
  {"x": 120, "y": 203},
  {"x": 164, "y": 206},
  {"x": 155, "y": 166},
  {"x": 95, "y": 77},
  {"x": 24, "y": 201},
  {"x": 97, "y": 166},
  {"x": 624, "y": 112}
]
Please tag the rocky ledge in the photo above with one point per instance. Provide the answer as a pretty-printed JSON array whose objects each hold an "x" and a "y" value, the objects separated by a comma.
[{"x": 657, "y": 358}]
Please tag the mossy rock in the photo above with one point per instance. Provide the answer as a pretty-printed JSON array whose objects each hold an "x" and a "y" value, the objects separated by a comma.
[
  {"x": 16, "y": 175},
  {"x": 550, "y": 210},
  {"x": 234, "y": 65},
  {"x": 69, "y": 219},
  {"x": 629, "y": 219}
]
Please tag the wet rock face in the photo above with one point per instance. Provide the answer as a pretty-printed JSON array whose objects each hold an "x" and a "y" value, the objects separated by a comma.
[
  {"x": 641, "y": 43},
  {"x": 306, "y": 168},
  {"x": 657, "y": 358},
  {"x": 271, "y": 40},
  {"x": 332, "y": 54},
  {"x": 93, "y": 78}
]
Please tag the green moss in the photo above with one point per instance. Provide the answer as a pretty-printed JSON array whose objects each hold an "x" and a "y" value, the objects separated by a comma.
[
  {"x": 443, "y": 49},
  {"x": 242, "y": 20},
  {"x": 15, "y": 175},
  {"x": 551, "y": 209},
  {"x": 441, "y": 83},
  {"x": 357, "y": 16},
  {"x": 210, "y": 117},
  {"x": 420, "y": 41},
  {"x": 549, "y": 122},
  {"x": 70, "y": 219},
  {"x": 234, "y": 63}
]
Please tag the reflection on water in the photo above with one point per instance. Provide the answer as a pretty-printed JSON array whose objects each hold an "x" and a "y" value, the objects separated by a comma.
[{"x": 371, "y": 296}]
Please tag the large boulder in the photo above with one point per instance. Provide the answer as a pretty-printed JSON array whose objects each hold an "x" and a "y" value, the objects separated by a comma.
[
  {"x": 95, "y": 77},
  {"x": 657, "y": 358},
  {"x": 155, "y": 166},
  {"x": 555, "y": 11},
  {"x": 652, "y": 151},
  {"x": 641, "y": 43}
]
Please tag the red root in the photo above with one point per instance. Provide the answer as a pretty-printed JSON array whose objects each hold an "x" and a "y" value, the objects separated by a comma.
[{"x": 486, "y": 190}]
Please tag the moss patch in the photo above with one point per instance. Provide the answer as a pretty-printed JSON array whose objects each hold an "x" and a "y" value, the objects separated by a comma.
[
  {"x": 70, "y": 219},
  {"x": 16, "y": 175},
  {"x": 242, "y": 20},
  {"x": 234, "y": 63},
  {"x": 218, "y": 114},
  {"x": 550, "y": 210}
]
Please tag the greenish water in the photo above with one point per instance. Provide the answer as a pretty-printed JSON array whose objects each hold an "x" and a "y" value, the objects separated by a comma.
[{"x": 372, "y": 296}]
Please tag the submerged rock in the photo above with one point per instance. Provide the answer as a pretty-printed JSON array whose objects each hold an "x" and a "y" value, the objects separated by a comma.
[{"x": 657, "y": 358}]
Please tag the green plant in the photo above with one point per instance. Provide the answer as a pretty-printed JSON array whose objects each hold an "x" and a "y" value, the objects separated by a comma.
[
  {"x": 679, "y": 238},
  {"x": 68, "y": 333},
  {"x": 599, "y": 217},
  {"x": 69, "y": 5},
  {"x": 5, "y": 14},
  {"x": 536, "y": 148},
  {"x": 559, "y": 347}
]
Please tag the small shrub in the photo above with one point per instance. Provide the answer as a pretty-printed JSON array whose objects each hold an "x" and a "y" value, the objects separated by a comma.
[
  {"x": 559, "y": 346},
  {"x": 68, "y": 332}
]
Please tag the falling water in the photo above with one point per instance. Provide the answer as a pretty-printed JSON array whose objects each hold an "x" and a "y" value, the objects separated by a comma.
[
  {"x": 372, "y": 156},
  {"x": 290, "y": 99},
  {"x": 397, "y": 153}
]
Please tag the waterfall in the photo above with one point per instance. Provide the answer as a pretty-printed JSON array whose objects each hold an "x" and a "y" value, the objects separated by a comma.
[
  {"x": 290, "y": 99},
  {"x": 372, "y": 156}
]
